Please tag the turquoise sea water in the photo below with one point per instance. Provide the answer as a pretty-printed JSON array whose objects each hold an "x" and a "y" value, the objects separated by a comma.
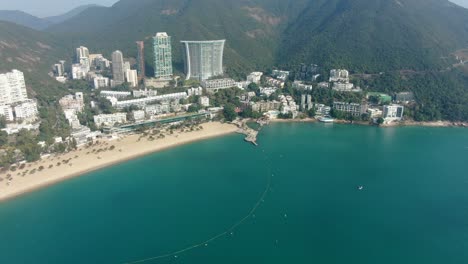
[{"x": 413, "y": 209}]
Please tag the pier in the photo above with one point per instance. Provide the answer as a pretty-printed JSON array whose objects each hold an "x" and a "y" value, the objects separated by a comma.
[{"x": 251, "y": 134}]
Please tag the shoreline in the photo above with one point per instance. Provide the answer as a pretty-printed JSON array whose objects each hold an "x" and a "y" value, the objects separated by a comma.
[
  {"x": 88, "y": 159},
  {"x": 395, "y": 124}
]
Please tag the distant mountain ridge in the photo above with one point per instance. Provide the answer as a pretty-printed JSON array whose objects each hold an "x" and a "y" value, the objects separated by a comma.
[
  {"x": 362, "y": 35},
  {"x": 28, "y": 20},
  {"x": 24, "y": 19},
  {"x": 70, "y": 14}
]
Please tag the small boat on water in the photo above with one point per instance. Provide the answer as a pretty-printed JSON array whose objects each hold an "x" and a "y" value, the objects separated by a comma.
[
  {"x": 326, "y": 119},
  {"x": 361, "y": 188}
]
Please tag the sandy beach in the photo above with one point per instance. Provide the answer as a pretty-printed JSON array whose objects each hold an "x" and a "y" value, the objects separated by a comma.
[{"x": 55, "y": 169}]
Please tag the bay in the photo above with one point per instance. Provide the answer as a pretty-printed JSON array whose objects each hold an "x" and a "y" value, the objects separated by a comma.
[{"x": 413, "y": 207}]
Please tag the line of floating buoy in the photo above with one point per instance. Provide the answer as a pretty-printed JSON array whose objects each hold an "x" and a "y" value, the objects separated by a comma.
[{"x": 205, "y": 243}]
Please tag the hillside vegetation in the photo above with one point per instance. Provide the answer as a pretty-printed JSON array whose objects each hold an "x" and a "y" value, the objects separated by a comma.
[
  {"x": 32, "y": 52},
  {"x": 362, "y": 35}
]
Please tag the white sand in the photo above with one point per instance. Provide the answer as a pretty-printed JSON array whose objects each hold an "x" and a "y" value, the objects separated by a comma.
[{"x": 86, "y": 160}]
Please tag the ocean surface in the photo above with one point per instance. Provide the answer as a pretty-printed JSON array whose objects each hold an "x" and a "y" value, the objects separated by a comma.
[{"x": 302, "y": 182}]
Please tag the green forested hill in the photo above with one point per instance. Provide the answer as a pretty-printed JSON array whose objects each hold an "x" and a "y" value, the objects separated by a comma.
[
  {"x": 362, "y": 35},
  {"x": 376, "y": 35},
  {"x": 32, "y": 52}
]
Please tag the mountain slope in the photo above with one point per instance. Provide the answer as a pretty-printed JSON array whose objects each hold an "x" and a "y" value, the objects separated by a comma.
[
  {"x": 363, "y": 35},
  {"x": 250, "y": 27},
  {"x": 70, "y": 14},
  {"x": 33, "y": 53},
  {"x": 24, "y": 19},
  {"x": 376, "y": 35}
]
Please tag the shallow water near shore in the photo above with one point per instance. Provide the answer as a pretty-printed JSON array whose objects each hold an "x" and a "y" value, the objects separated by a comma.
[{"x": 413, "y": 207}]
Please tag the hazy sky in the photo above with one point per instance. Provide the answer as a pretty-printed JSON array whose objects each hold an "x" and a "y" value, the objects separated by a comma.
[{"x": 43, "y": 8}]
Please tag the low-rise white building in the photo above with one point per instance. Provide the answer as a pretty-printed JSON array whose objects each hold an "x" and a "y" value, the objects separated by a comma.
[
  {"x": 115, "y": 94},
  {"x": 339, "y": 75},
  {"x": 101, "y": 82},
  {"x": 70, "y": 115},
  {"x": 157, "y": 109},
  {"x": 195, "y": 91},
  {"x": 352, "y": 108},
  {"x": 204, "y": 101},
  {"x": 393, "y": 113},
  {"x": 345, "y": 87},
  {"x": 213, "y": 86},
  {"x": 144, "y": 93},
  {"x": 26, "y": 110},
  {"x": 79, "y": 71},
  {"x": 7, "y": 112},
  {"x": 110, "y": 119},
  {"x": 374, "y": 112},
  {"x": 254, "y": 77},
  {"x": 139, "y": 115},
  {"x": 282, "y": 75},
  {"x": 75, "y": 102},
  {"x": 142, "y": 102}
]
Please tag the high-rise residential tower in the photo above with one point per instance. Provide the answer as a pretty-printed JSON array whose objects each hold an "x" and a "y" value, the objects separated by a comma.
[
  {"x": 118, "y": 67},
  {"x": 12, "y": 88},
  {"x": 141, "y": 60},
  {"x": 81, "y": 53},
  {"x": 203, "y": 59},
  {"x": 162, "y": 56}
]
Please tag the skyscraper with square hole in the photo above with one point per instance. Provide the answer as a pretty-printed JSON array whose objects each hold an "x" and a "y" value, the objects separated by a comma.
[
  {"x": 162, "y": 56},
  {"x": 203, "y": 59}
]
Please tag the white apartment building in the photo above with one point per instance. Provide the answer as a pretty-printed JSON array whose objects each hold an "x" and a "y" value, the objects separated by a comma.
[
  {"x": 353, "y": 108},
  {"x": 374, "y": 112},
  {"x": 132, "y": 77},
  {"x": 70, "y": 115},
  {"x": 195, "y": 91},
  {"x": 101, "y": 82},
  {"x": 27, "y": 110},
  {"x": 142, "y": 102},
  {"x": 139, "y": 115},
  {"x": 7, "y": 112},
  {"x": 282, "y": 75},
  {"x": 212, "y": 86},
  {"x": 12, "y": 88},
  {"x": 144, "y": 93},
  {"x": 157, "y": 109},
  {"x": 254, "y": 77},
  {"x": 58, "y": 70},
  {"x": 79, "y": 71},
  {"x": 75, "y": 102},
  {"x": 393, "y": 113},
  {"x": 110, "y": 120},
  {"x": 81, "y": 52},
  {"x": 345, "y": 87},
  {"x": 115, "y": 94},
  {"x": 339, "y": 75},
  {"x": 204, "y": 101}
]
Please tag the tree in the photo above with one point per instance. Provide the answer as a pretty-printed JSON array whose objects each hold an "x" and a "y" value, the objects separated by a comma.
[
  {"x": 3, "y": 138},
  {"x": 254, "y": 88},
  {"x": 380, "y": 121},
  {"x": 194, "y": 108},
  {"x": 229, "y": 112},
  {"x": 311, "y": 112},
  {"x": 3, "y": 122}
]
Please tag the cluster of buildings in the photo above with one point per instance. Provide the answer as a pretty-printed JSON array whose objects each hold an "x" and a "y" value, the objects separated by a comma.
[{"x": 15, "y": 105}]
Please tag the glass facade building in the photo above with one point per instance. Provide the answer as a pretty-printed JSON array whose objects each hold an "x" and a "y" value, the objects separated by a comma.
[
  {"x": 162, "y": 56},
  {"x": 203, "y": 59}
]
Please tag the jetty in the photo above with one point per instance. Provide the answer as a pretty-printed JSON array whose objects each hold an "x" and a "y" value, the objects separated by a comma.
[{"x": 251, "y": 134}]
